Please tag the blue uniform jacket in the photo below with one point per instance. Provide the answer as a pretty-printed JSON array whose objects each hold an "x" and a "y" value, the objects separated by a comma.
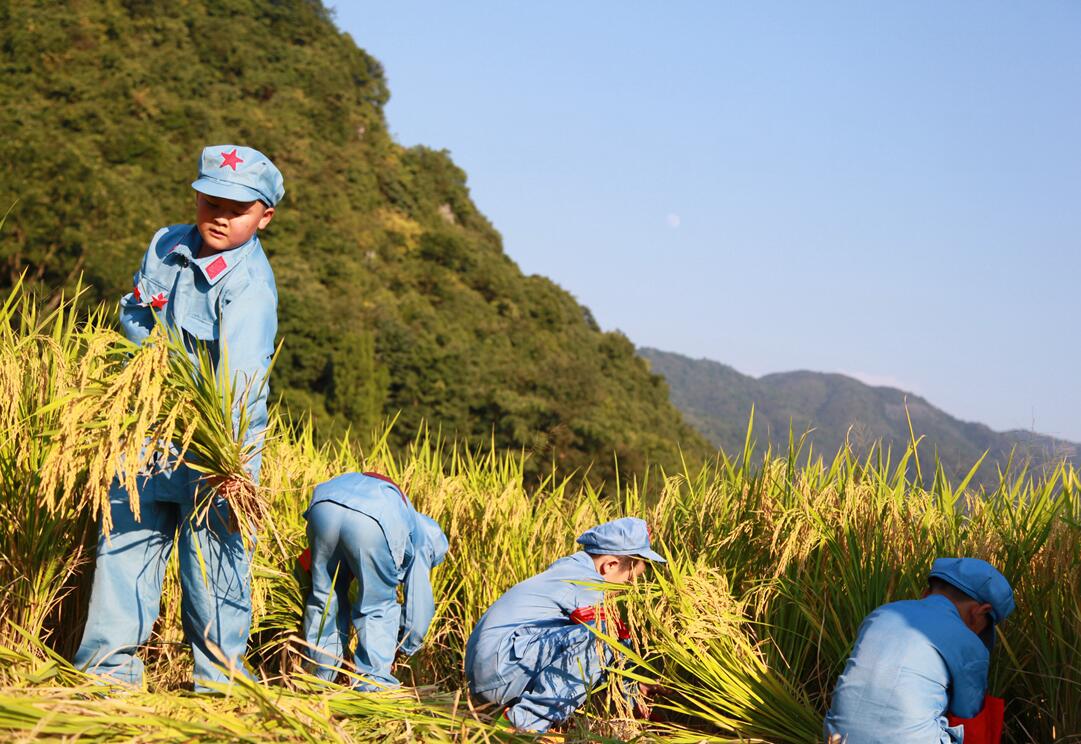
[
  {"x": 415, "y": 547},
  {"x": 499, "y": 646},
  {"x": 913, "y": 662},
  {"x": 229, "y": 297}
]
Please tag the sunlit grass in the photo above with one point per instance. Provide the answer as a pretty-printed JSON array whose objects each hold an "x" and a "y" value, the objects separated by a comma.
[{"x": 775, "y": 560}]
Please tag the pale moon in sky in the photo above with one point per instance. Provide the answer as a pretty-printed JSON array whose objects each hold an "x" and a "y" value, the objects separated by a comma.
[{"x": 673, "y": 220}]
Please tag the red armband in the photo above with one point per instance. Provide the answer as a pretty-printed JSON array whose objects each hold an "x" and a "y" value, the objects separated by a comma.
[
  {"x": 586, "y": 615},
  {"x": 986, "y": 726},
  {"x": 589, "y": 615},
  {"x": 305, "y": 559}
]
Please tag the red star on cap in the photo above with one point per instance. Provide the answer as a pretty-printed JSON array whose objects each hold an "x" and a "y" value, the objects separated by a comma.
[
  {"x": 158, "y": 301},
  {"x": 230, "y": 159}
]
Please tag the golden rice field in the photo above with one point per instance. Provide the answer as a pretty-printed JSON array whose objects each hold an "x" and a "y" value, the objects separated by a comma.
[{"x": 775, "y": 559}]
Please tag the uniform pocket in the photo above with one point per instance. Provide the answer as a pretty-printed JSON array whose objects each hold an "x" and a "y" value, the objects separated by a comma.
[
  {"x": 144, "y": 292},
  {"x": 200, "y": 328},
  {"x": 522, "y": 644}
]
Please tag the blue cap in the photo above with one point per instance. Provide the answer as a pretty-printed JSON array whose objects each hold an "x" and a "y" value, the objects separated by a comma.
[
  {"x": 981, "y": 581},
  {"x": 434, "y": 542},
  {"x": 239, "y": 173},
  {"x": 626, "y": 536}
]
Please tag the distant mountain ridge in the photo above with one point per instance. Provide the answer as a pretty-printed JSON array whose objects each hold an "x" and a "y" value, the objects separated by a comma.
[{"x": 716, "y": 399}]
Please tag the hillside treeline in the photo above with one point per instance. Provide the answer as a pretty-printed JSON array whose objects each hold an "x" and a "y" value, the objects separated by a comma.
[{"x": 396, "y": 296}]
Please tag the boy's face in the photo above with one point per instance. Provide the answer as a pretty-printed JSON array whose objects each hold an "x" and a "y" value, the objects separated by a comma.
[{"x": 225, "y": 224}]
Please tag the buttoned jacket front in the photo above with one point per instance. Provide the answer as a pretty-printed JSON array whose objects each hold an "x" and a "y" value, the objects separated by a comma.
[{"x": 226, "y": 300}]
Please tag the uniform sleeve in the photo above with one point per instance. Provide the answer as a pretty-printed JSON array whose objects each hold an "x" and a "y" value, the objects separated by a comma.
[
  {"x": 419, "y": 603},
  {"x": 136, "y": 315},
  {"x": 968, "y": 688},
  {"x": 575, "y": 596},
  {"x": 249, "y": 323}
]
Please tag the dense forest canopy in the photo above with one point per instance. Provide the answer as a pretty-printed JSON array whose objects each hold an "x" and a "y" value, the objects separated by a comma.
[{"x": 395, "y": 292}]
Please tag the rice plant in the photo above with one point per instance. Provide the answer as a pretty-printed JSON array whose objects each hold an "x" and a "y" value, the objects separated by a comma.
[{"x": 775, "y": 558}]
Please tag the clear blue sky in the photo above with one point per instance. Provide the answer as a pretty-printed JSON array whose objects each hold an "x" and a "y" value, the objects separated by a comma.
[{"x": 889, "y": 190}]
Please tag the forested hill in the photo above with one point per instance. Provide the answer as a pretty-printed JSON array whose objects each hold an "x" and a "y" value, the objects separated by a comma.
[
  {"x": 395, "y": 292},
  {"x": 717, "y": 400}
]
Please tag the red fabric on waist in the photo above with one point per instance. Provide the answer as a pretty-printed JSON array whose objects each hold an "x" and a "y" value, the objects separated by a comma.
[
  {"x": 590, "y": 614},
  {"x": 986, "y": 726}
]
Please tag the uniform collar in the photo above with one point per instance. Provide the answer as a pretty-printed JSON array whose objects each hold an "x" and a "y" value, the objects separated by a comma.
[
  {"x": 215, "y": 267},
  {"x": 583, "y": 560},
  {"x": 943, "y": 603}
]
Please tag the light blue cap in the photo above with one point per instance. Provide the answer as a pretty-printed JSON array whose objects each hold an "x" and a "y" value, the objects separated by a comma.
[
  {"x": 981, "y": 581},
  {"x": 435, "y": 543},
  {"x": 239, "y": 173},
  {"x": 626, "y": 536}
]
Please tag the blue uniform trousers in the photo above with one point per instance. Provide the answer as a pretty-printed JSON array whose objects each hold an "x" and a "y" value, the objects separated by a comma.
[
  {"x": 347, "y": 545},
  {"x": 558, "y": 666},
  {"x": 130, "y": 567}
]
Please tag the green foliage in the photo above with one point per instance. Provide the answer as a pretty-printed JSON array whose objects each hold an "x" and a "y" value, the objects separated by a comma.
[{"x": 395, "y": 292}]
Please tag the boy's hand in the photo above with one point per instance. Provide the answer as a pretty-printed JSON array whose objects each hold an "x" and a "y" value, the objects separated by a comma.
[
  {"x": 222, "y": 485},
  {"x": 643, "y": 708}
]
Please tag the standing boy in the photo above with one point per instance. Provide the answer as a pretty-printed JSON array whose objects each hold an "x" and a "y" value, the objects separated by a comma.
[
  {"x": 531, "y": 651},
  {"x": 211, "y": 284},
  {"x": 917, "y": 663},
  {"x": 361, "y": 526}
]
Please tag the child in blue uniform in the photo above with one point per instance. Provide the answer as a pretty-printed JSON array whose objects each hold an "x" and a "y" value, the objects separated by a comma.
[
  {"x": 918, "y": 662},
  {"x": 361, "y": 526},
  {"x": 531, "y": 651},
  {"x": 211, "y": 283}
]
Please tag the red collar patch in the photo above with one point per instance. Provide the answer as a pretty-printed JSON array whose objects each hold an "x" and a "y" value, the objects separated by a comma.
[{"x": 216, "y": 266}]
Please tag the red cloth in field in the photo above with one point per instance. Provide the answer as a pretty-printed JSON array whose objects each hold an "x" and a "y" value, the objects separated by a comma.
[
  {"x": 986, "y": 727},
  {"x": 589, "y": 615}
]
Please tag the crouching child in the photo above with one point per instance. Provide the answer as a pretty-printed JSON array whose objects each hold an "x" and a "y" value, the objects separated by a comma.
[
  {"x": 532, "y": 651},
  {"x": 361, "y": 527},
  {"x": 918, "y": 670}
]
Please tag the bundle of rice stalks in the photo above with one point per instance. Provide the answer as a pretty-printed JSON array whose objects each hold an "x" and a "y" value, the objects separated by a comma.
[
  {"x": 216, "y": 417},
  {"x": 109, "y": 421},
  {"x": 705, "y": 652},
  {"x": 128, "y": 410}
]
